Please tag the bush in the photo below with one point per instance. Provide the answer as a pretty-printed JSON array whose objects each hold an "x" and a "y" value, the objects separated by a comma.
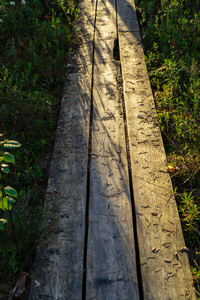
[{"x": 36, "y": 38}]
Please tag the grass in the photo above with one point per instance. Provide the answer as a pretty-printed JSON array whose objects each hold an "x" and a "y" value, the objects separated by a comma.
[
  {"x": 36, "y": 38},
  {"x": 171, "y": 37}
]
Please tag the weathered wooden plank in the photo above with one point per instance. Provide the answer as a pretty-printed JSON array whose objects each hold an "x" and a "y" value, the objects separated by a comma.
[
  {"x": 127, "y": 18},
  {"x": 164, "y": 263},
  {"x": 59, "y": 262},
  {"x": 111, "y": 267}
]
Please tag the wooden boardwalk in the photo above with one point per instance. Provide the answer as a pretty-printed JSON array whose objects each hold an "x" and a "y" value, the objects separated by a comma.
[{"x": 116, "y": 232}]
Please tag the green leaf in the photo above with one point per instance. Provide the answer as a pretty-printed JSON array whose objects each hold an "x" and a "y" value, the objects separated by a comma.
[
  {"x": 10, "y": 191},
  {"x": 10, "y": 199},
  {"x": 1, "y": 193},
  {"x": 5, "y": 170},
  {"x": 2, "y": 223},
  {"x": 12, "y": 144},
  {"x": 5, "y": 165},
  {"x": 4, "y": 204},
  {"x": 8, "y": 157}
]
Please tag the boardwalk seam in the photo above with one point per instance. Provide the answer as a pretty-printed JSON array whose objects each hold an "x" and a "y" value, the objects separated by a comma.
[
  {"x": 121, "y": 96},
  {"x": 137, "y": 253},
  {"x": 88, "y": 170}
]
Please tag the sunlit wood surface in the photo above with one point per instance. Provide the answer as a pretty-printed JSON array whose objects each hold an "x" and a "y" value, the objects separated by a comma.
[{"x": 114, "y": 230}]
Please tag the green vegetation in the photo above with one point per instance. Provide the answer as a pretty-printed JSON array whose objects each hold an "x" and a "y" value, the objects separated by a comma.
[
  {"x": 171, "y": 37},
  {"x": 36, "y": 37},
  {"x": 7, "y": 193}
]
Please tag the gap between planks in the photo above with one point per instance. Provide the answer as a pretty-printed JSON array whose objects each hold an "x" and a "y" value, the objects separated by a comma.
[
  {"x": 88, "y": 170},
  {"x": 165, "y": 269},
  {"x": 111, "y": 266},
  {"x": 69, "y": 267}
]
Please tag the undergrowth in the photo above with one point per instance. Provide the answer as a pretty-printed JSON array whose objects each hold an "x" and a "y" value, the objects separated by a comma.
[
  {"x": 36, "y": 38},
  {"x": 171, "y": 37}
]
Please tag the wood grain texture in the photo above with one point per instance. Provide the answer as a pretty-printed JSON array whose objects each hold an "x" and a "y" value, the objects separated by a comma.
[
  {"x": 165, "y": 268},
  {"x": 126, "y": 18},
  {"x": 59, "y": 262},
  {"x": 111, "y": 267}
]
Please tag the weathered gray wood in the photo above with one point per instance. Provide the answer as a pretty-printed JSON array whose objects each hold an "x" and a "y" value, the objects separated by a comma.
[
  {"x": 164, "y": 266},
  {"x": 127, "y": 18},
  {"x": 111, "y": 268},
  {"x": 59, "y": 262}
]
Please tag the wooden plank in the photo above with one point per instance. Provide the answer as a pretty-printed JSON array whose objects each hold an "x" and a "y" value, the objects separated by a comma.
[
  {"x": 127, "y": 18},
  {"x": 111, "y": 267},
  {"x": 164, "y": 263},
  {"x": 59, "y": 262}
]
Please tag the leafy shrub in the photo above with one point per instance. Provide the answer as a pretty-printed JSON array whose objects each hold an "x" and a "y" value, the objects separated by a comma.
[
  {"x": 36, "y": 38},
  {"x": 7, "y": 193}
]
